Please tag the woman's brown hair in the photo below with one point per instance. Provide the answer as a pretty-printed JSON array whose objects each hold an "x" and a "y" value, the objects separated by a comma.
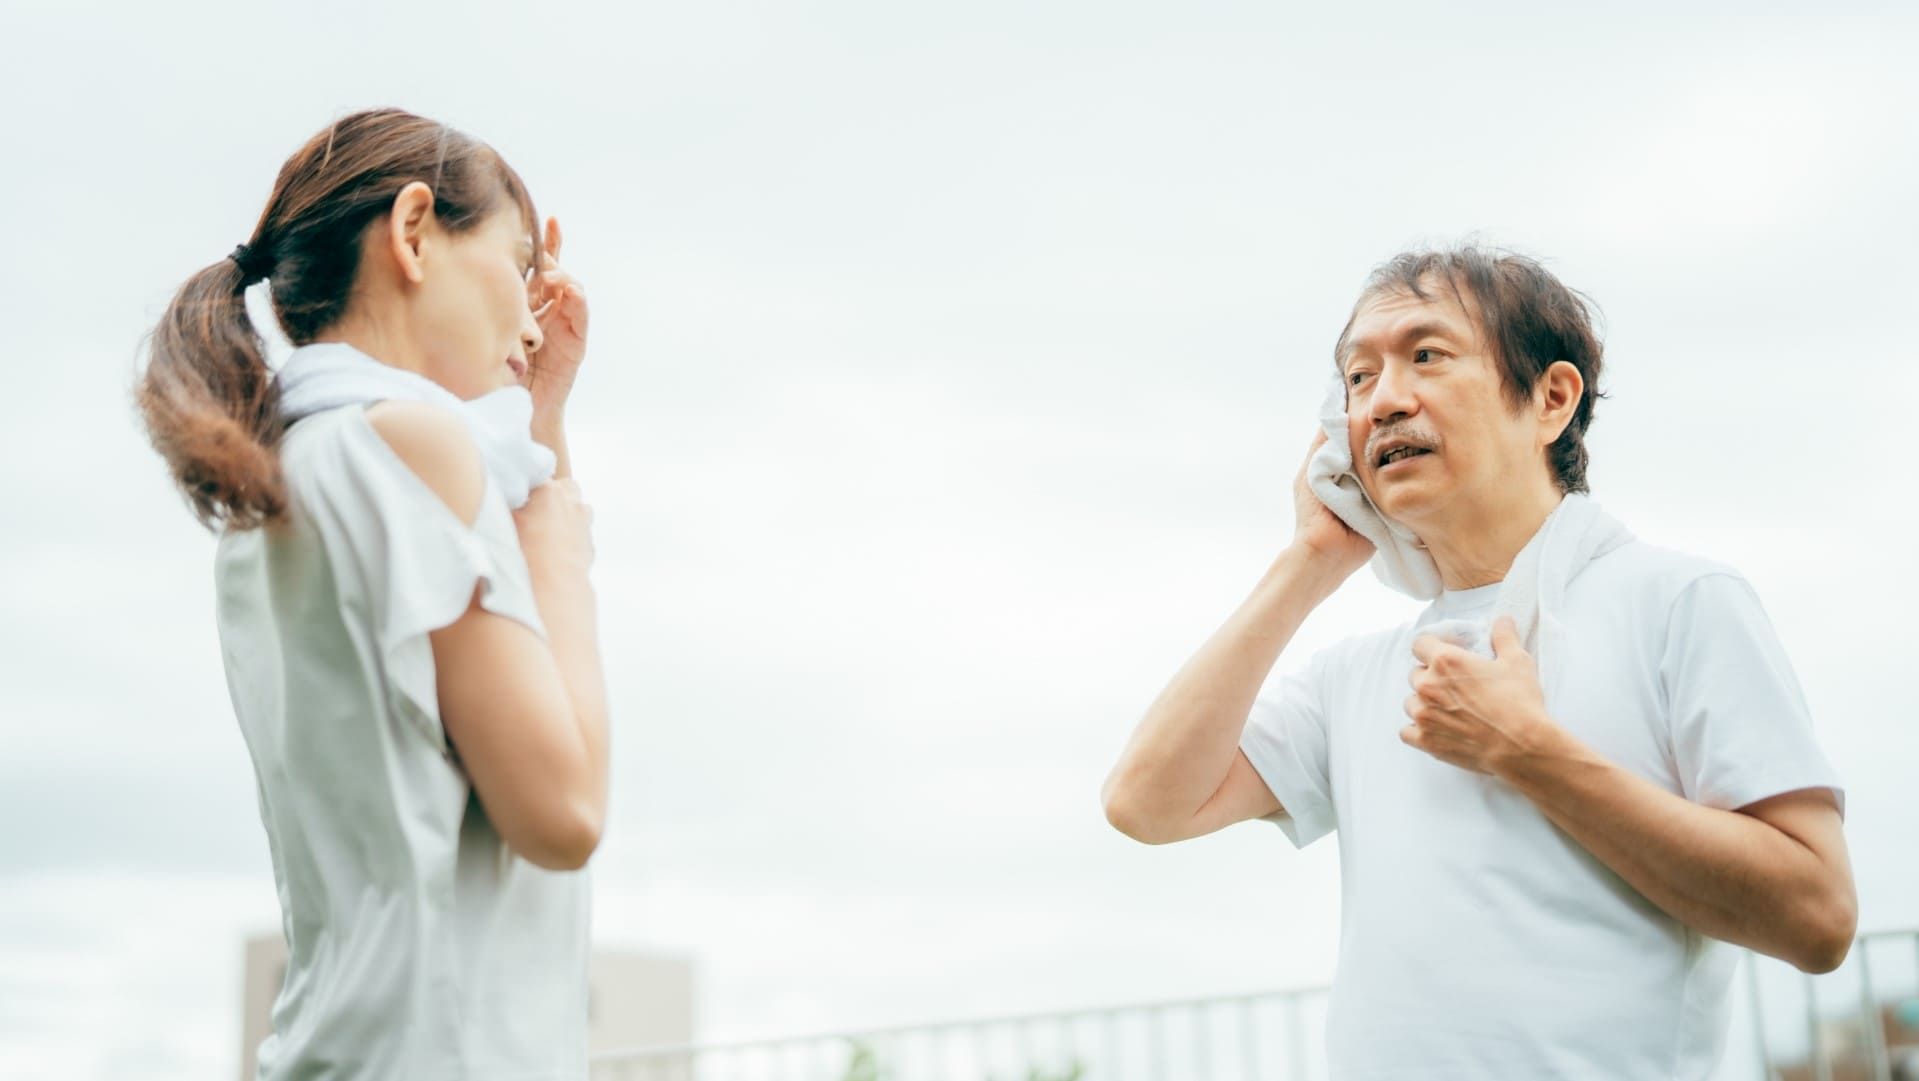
[{"x": 210, "y": 402}]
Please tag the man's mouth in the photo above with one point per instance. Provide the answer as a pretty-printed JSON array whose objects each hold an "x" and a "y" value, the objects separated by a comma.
[
  {"x": 1399, "y": 454},
  {"x": 518, "y": 366}
]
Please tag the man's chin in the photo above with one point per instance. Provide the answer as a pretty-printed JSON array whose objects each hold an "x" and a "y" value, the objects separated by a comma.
[{"x": 1407, "y": 503}]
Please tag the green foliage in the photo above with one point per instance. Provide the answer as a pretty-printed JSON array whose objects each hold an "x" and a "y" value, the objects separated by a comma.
[
  {"x": 864, "y": 1065},
  {"x": 1073, "y": 1073}
]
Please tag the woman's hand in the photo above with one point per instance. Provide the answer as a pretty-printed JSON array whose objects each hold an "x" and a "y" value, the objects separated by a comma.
[
  {"x": 556, "y": 529},
  {"x": 559, "y": 306}
]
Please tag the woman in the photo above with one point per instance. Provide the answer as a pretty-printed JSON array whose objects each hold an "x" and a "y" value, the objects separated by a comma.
[{"x": 405, "y": 614}]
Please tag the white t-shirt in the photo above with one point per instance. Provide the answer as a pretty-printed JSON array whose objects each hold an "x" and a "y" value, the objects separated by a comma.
[
  {"x": 1478, "y": 940},
  {"x": 419, "y": 946}
]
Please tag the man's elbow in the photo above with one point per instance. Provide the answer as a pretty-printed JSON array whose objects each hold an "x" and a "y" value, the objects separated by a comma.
[
  {"x": 1827, "y": 933},
  {"x": 1124, "y": 815}
]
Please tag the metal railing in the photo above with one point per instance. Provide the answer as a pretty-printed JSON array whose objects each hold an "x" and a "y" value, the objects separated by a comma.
[
  {"x": 1860, "y": 1023},
  {"x": 1226, "y": 1038}
]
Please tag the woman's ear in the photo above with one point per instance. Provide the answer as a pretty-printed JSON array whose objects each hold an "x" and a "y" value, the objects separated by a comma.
[
  {"x": 1560, "y": 389},
  {"x": 407, "y": 227}
]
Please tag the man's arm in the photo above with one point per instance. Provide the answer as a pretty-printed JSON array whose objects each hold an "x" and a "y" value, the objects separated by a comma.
[
  {"x": 1772, "y": 876},
  {"x": 1182, "y": 773}
]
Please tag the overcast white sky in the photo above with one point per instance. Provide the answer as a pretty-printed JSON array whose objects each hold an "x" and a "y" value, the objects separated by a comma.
[{"x": 949, "y": 368}]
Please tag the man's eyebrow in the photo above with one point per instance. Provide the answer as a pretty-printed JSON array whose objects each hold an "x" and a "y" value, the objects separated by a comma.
[{"x": 1401, "y": 334}]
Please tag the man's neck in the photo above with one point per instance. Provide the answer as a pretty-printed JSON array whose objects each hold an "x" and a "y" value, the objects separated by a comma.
[{"x": 1476, "y": 544}]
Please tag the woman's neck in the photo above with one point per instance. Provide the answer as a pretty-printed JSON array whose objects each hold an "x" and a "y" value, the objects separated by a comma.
[{"x": 380, "y": 335}]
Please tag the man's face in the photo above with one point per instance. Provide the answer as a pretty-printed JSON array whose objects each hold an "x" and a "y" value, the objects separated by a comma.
[{"x": 1430, "y": 426}]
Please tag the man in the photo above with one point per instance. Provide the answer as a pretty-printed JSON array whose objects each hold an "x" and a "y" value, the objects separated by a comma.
[{"x": 1538, "y": 881}]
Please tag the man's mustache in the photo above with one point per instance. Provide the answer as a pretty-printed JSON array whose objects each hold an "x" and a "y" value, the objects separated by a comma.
[{"x": 1403, "y": 433}]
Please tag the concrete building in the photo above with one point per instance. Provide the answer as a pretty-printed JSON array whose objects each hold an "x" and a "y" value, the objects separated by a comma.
[{"x": 634, "y": 999}]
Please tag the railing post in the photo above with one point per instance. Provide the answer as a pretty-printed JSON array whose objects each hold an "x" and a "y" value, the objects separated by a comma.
[
  {"x": 1202, "y": 1037},
  {"x": 1816, "y": 1045},
  {"x": 1115, "y": 1052},
  {"x": 1249, "y": 1066},
  {"x": 1758, "y": 1016},
  {"x": 1156, "y": 1031},
  {"x": 1869, "y": 1016},
  {"x": 1296, "y": 1034}
]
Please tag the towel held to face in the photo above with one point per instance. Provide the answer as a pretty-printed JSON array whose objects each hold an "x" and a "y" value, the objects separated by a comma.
[
  {"x": 328, "y": 375},
  {"x": 1533, "y": 592}
]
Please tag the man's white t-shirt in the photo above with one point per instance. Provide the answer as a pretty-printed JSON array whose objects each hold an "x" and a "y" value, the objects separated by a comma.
[{"x": 1478, "y": 940}]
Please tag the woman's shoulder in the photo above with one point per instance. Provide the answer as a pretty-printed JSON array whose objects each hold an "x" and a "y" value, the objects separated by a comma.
[
  {"x": 406, "y": 445},
  {"x": 438, "y": 447}
]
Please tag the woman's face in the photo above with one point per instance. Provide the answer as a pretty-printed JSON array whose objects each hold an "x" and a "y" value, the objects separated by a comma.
[{"x": 472, "y": 311}]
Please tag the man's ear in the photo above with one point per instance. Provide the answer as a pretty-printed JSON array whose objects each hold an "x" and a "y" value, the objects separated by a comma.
[
  {"x": 1558, "y": 394},
  {"x": 408, "y": 224}
]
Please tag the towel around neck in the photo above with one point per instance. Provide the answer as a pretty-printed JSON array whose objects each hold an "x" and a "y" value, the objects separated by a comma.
[{"x": 329, "y": 375}]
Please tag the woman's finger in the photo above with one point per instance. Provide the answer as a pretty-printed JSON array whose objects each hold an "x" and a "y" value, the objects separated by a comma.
[{"x": 553, "y": 237}]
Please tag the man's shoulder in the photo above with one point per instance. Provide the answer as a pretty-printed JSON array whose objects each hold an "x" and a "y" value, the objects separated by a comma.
[{"x": 1653, "y": 573}]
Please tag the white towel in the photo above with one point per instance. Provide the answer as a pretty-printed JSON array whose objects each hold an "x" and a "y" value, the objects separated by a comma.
[
  {"x": 1533, "y": 592},
  {"x": 328, "y": 375},
  {"x": 1399, "y": 559}
]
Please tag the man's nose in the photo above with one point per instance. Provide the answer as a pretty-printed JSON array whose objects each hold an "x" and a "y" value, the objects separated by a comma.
[{"x": 1392, "y": 396}]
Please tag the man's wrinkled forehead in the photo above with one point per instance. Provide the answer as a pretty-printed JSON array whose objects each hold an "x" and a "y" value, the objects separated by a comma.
[{"x": 1390, "y": 316}]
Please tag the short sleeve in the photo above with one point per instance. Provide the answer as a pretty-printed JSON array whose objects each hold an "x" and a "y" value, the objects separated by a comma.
[
  {"x": 404, "y": 564},
  {"x": 1741, "y": 731},
  {"x": 1285, "y": 740}
]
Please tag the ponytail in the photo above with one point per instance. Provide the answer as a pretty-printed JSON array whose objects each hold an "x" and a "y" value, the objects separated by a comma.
[{"x": 211, "y": 405}]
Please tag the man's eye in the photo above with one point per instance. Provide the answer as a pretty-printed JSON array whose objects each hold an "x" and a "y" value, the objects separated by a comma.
[
  {"x": 1353, "y": 378},
  {"x": 1421, "y": 356}
]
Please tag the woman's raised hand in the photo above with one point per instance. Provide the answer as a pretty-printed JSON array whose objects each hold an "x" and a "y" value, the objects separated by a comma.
[{"x": 559, "y": 306}]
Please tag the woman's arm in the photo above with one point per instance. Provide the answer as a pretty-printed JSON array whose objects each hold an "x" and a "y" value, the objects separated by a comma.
[{"x": 527, "y": 716}]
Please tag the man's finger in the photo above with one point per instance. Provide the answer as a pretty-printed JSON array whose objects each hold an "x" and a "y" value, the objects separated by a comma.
[
  {"x": 1427, "y": 686},
  {"x": 1506, "y": 637},
  {"x": 1428, "y": 647}
]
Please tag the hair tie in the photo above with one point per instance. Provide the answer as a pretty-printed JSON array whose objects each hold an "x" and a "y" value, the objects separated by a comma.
[{"x": 252, "y": 267}]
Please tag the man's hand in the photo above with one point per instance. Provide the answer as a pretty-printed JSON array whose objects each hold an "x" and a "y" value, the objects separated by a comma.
[
  {"x": 559, "y": 305},
  {"x": 1475, "y": 713},
  {"x": 1319, "y": 532}
]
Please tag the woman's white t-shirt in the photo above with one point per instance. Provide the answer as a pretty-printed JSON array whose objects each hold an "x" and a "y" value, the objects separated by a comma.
[
  {"x": 419, "y": 946},
  {"x": 1478, "y": 941}
]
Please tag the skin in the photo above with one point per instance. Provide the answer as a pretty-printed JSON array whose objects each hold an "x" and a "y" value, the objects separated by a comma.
[
  {"x": 1773, "y": 876},
  {"x": 477, "y": 311}
]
